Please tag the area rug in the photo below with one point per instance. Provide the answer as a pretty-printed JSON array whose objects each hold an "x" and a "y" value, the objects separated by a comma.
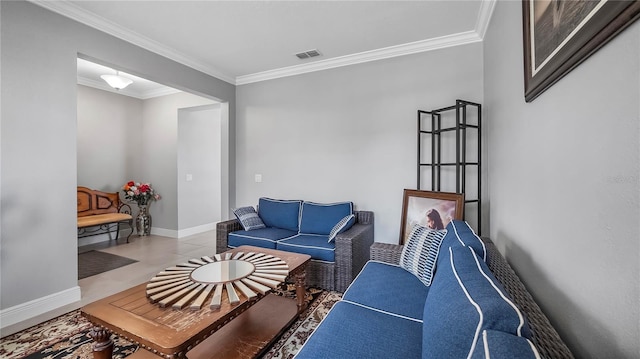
[
  {"x": 67, "y": 335},
  {"x": 95, "y": 262}
]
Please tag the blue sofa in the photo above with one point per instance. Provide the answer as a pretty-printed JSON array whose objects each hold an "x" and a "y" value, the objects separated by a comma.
[
  {"x": 475, "y": 307},
  {"x": 306, "y": 227}
]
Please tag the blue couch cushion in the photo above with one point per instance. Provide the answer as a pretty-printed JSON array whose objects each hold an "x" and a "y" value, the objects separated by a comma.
[
  {"x": 388, "y": 288},
  {"x": 459, "y": 234},
  {"x": 318, "y": 218},
  {"x": 420, "y": 252},
  {"x": 375, "y": 334},
  {"x": 315, "y": 245},
  {"x": 501, "y": 345},
  {"x": 465, "y": 235},
  {"x": 279, "y": 213},
  {"x": 263, "y": 237},
  {"x": 464, "y": 299}
]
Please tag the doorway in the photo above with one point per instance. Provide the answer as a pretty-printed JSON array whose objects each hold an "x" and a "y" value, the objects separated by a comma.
[{"x": 130, "y": 135}]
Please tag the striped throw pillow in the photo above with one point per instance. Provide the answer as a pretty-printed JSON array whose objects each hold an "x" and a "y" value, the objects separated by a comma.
[
  {"x": 248, "y": 218},
  {"x": 421, "y": 251},
  {"x": 344, "y": 224}
]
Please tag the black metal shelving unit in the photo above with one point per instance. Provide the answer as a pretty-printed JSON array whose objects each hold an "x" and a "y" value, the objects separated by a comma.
[{"x": 468, "y": 117}]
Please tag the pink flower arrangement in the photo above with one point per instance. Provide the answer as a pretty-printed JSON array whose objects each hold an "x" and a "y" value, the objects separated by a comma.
[{"x": 141, "y": 193}]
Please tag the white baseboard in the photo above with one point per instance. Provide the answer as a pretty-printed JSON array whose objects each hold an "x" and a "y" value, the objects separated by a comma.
[
  {"x": 196, "y": 230},
  {"x": 171, "y": 233},
  {"x": 28, "y": 310},
  {"x": 104, "y": 237}
]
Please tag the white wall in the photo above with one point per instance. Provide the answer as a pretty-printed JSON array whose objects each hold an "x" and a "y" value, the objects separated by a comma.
[
  {"x": 348, "y": 134},
  {"x": 199, "y": 156},
  {"x": 564, "y": 186},
  {"x": 160, "y": 150},
  {"x": 108, "y": 128},
  {"x": 111, "y": 139},
  {"x": 39, "y": 50}
]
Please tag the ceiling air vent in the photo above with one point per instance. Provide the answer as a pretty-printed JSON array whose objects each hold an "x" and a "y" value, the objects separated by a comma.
[{"x": 308, "y": 54}]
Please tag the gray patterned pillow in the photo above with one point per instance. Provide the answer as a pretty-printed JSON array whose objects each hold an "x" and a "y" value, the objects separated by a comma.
[
  {"x": 248, "y": 218},
  {"x": 421, "y": 251}
]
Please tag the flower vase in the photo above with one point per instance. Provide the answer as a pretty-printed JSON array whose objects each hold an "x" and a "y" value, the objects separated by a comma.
[{"x": 143, "y": 221}]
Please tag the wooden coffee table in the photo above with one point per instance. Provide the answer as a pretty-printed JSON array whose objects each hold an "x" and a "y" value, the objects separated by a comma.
[{"x": 240, "y": 330}]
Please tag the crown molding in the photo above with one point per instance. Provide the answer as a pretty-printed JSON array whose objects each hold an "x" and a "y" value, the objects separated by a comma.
[
  {"x": 384, "y": 53},
  {"x": 477, "y": 35},
  {"x": 74, "y": 12},
  {"x": 163, "y": 91},
  {"x": 103, "y": 86},
  {"x": 100, "y": 85},
  {"x": 484, "y": 17}
]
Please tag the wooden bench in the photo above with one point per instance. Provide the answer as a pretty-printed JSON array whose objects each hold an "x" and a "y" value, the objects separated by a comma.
[{"x": 99, "y": 212}]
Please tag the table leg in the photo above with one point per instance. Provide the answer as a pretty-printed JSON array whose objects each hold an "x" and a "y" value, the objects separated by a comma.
[
  {"x": 102, "y": 343},
  {"x": 301, "y": 290}
]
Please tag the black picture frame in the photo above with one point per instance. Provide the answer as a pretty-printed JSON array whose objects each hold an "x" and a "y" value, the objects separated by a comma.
[
  {"x": 566, "y": 33},
  {"x": 416, "y": 204}
]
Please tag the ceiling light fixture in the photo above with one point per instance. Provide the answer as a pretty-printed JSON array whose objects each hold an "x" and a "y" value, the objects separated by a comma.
[{"x": 116, "y": 81}]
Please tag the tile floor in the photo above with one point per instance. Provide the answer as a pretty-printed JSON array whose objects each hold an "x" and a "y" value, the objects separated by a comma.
[{"x": 153, "y": 254}]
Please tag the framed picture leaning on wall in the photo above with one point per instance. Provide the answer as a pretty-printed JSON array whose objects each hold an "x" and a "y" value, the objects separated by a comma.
[
  {"x": 559, "y": 35},
  {"x": 429, "y": 209}
]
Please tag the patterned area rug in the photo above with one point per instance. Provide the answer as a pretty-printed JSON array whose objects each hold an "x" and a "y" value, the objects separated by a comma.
[
  {"x": 95, "y": 262},
  {"x": 67, "y": 335}
]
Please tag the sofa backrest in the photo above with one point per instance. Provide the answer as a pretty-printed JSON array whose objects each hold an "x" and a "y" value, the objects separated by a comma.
[
  {"x": 320, "y": 218},
  {"x": 464, "y": 300},
  {"x": 545, "y": 337},
  {"x": 460, "y": 234},
  {"x": 278, "y": 213}
]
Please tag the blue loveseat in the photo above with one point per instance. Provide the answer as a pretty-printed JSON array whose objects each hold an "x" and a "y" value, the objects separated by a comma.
[
  {"x": 475, "y": 307},
  {"x": 305, "y": 227}
]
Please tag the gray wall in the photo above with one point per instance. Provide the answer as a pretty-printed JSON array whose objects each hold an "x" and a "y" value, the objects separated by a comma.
[
  {"x": 199, "y": 155},
  {"x": 107, "y": 137},
  {"x": 348, "y": 134},
  {"x": 39, "y": 151},
  {"x": 107, "y": 140},
  {"x": 160, "y": 151},
  {"x": 564, "y": 182}
]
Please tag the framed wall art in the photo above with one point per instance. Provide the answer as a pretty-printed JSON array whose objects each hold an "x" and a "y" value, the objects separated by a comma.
[
  {"x": 559, "y": 35},
  {"x": 430, "y": 209}
]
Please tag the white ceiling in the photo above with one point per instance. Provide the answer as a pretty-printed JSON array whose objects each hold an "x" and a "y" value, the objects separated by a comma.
[
  {"x": 248, "y": 41},
  {"x": 89, "y": 75}
]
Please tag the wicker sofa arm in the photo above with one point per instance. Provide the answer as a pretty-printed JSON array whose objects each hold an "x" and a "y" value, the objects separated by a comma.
[
  {"x": 386, "y": 252},
  {"x": 352, "y": 249},
  {"x": 545, "y": 337},
  {"x": 222, "y": 233}
]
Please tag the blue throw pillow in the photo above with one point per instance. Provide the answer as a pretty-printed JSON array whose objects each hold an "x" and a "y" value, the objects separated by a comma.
[
  {"x": 279, "y": 213},
  {"x": 420, "y": 252},
  {"x": 248, "y": 218},
  {"x": 343, "y": 225}
]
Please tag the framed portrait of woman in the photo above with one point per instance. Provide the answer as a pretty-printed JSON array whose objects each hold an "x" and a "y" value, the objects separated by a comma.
[{"x": 429, "y": 209}]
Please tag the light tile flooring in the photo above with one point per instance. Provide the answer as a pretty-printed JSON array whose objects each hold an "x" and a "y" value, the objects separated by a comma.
[{"x": 153, "y": 254}]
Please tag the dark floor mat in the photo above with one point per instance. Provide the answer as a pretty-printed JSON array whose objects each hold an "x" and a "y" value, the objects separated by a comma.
[{"x": 96, "y": 262}]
